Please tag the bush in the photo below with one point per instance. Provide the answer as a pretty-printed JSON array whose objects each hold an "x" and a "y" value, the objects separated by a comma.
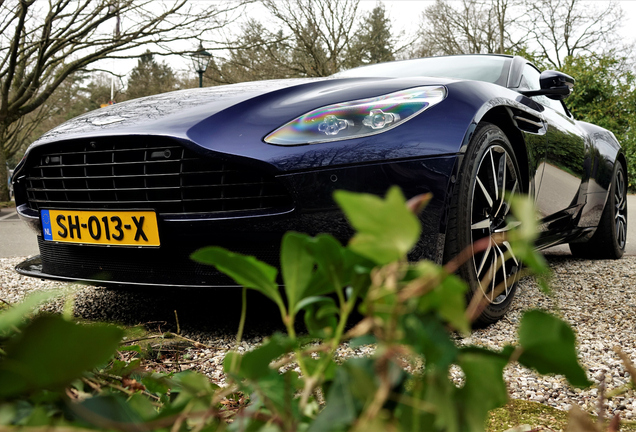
[{"x": 409, "y": 311}]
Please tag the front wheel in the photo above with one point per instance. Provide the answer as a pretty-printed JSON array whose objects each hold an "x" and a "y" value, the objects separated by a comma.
[
  {"x": 479, "y": 215},
  {"x": 610, "y": 238}
]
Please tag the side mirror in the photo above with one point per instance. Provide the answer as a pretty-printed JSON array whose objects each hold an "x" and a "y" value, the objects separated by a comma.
[
  {"x": 553, "y": 80},
  {"x": 555, "y": 85}
]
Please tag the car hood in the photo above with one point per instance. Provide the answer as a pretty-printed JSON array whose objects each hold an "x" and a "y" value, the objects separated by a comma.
[
  {"x": 183, "y": 107},
  {"x": 236, "y": 112}
]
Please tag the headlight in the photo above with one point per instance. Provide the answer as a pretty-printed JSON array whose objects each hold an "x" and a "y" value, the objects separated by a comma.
[{"x": 358, "y": 118}]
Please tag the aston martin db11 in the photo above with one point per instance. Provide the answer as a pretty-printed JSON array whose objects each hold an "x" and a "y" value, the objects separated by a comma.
[{"x": 123, "y": 195}]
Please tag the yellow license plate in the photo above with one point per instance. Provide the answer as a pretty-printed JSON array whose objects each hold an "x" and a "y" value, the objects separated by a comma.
[{"x": 115, "y": 228}]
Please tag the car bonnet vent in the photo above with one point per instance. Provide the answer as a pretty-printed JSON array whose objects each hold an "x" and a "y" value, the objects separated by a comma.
[{"x": 150, "y": 172}]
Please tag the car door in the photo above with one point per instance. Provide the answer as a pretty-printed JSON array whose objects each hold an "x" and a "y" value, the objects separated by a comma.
[{"x": 562, "y": 192}]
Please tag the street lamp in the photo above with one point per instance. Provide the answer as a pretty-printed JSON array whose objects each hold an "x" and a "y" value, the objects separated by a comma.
[{"x": 200, "y": 61}]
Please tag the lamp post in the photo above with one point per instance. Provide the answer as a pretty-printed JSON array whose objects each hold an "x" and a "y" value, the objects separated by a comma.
[{"x": 200, "y": 60}]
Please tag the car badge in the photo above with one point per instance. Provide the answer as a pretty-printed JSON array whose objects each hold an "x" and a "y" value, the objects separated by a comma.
[{"x": 103, "y": 121}]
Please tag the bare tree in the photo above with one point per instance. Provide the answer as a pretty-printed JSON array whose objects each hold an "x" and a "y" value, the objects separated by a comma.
[
  {"x": 562, "y": 28},
  {"x": 43, "y": 43},
  {"x": 470, "y": 27},
  {"x": 321, "y": 31},
  {"x": 257, "y": 54}
]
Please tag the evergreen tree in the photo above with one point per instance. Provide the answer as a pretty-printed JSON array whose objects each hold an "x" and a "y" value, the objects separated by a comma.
[
  {"x": 150, "y": 77},
  {"x": 373, "y": 43}
]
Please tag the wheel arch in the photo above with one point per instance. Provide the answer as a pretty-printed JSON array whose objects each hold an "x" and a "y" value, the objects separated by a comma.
[{"x": 501, "y": 116}]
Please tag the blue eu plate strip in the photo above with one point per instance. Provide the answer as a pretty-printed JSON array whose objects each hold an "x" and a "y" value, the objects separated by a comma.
[{"x": 46, "y": 225}]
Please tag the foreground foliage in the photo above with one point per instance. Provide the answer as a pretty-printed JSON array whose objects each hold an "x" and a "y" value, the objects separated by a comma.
[{"x": 411, "y": 312}]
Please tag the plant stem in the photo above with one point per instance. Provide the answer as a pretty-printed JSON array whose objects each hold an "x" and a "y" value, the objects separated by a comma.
[
  {"x": 239, "y": 334},
  {"x": 313, "y": 380},
  {"x": 176, "y": 317}
]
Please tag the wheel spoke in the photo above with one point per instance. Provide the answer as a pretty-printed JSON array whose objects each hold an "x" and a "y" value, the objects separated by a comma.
[
  {"x": 508, "y": 227},
  {"x": 483, "y": 189},
  {"x": 481, "y": 224},
  {"x": 512, "y": 254},
  {"x": 494, "y": 174},
  {"x": 511, "y": 195},
  {"x": 620, "y": 206},
  {"x": 502, "y": 169},
  {"x": 493, "y": 276},
  {"x": 620, "y": 187},
  {"x": 503, "y": 269},
  {"x": 621, "y": 232},
  {"x": 484, "y": 259}
]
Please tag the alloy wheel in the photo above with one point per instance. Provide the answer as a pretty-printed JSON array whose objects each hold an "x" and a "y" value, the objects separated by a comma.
[
  {"x": 497, "y": 181},
  {"x": 620, "y": 213}
]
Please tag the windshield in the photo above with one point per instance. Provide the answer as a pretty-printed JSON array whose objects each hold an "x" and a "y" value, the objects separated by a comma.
[{"x": 488, "y": 68}]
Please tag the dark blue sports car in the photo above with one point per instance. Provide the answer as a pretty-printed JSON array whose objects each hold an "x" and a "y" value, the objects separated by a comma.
[{"x": 123, "y": 195}]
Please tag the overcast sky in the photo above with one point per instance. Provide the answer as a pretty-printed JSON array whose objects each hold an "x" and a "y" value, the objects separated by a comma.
[{"x": 405, "y": 15}]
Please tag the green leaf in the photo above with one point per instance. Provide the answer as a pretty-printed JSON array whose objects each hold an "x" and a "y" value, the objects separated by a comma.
[
  {"x": 549, "y": 346},
  {"x": 156, "y": 383},
  {"x": 307, "y": 301},
  {"x": 245, "y": 270},
  {"x": 441, "y": 393},
  {"x": 328, "y": 253},
  {"x": 194, "y": 383},
  {"x": 363, "y": 340},
  {"x": 338, "y": 267},
  {"x": 142, "y": 406},
  {"x": 52, "y": 352},
  {"x": 297, "y": 267},
  {"x": 353, "y": 387},
  {"x": 122, "y": 368},
  {"x": 321, "y": 319},
  {"x": 522, "y": 239},
  {"x": 17, "y": 314},
  {"x": 312, "y": 365},
  {"x": 279, "y": 389},
  {"x": 448, "y": 298},
  {"x": 416, "y": 416},
  {"x": 386, "y": 229},
  {"x": 428, "y": 336},
  {"x": 106, "y": 409},
  {"x": 135, "y": 348},
  {"x": 484, "y": 388},
  {"x": 8, "y": 414},
  {"x": 255, "y": 363}
]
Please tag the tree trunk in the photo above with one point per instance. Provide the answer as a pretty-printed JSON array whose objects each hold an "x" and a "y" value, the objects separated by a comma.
[{"x": 4, "y": 186}]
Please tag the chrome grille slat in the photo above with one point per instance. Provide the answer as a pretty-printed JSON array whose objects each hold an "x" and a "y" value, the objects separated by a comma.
[
  {"x": 113, "y": 150},
  {"x": 157, "y": 174}
]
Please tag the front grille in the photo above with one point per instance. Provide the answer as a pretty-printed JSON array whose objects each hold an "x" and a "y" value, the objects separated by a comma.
[{"x": 146, "y": 172}]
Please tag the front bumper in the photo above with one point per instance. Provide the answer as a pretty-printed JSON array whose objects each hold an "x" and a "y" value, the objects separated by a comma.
[{"x": 258, "y": 235}]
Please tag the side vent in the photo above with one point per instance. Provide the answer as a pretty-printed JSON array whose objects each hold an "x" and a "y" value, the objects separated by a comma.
[{"x": 529, "y": 123}]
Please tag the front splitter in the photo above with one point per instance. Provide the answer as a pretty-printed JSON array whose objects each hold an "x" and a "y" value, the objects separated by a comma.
[{"x": 33, "y": 267}]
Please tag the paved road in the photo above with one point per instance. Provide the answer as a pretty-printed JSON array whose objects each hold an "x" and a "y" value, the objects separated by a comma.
[
  {"x": 18, "y": 240},
  {"x": 15, "y": 238}
]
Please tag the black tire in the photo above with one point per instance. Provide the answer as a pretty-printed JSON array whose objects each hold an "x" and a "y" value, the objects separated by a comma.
[
  {"x": 610, "y": 238},
  {"x": 478, "y": 210}
]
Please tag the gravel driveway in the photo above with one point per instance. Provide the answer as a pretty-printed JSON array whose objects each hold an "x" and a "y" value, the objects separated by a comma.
[{"x": 596, "y": 297}]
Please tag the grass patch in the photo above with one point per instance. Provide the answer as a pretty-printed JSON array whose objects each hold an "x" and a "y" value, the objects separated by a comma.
[
  {"x": 135, "y": 332},
  {"x": 519, "y": 412},
  {"x": 538, "y": 416},
  {"x": 7, "y": 204}
]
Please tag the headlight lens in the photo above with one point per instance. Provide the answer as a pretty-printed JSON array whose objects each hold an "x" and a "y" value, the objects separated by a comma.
[{"x": 358, "y": 118}]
